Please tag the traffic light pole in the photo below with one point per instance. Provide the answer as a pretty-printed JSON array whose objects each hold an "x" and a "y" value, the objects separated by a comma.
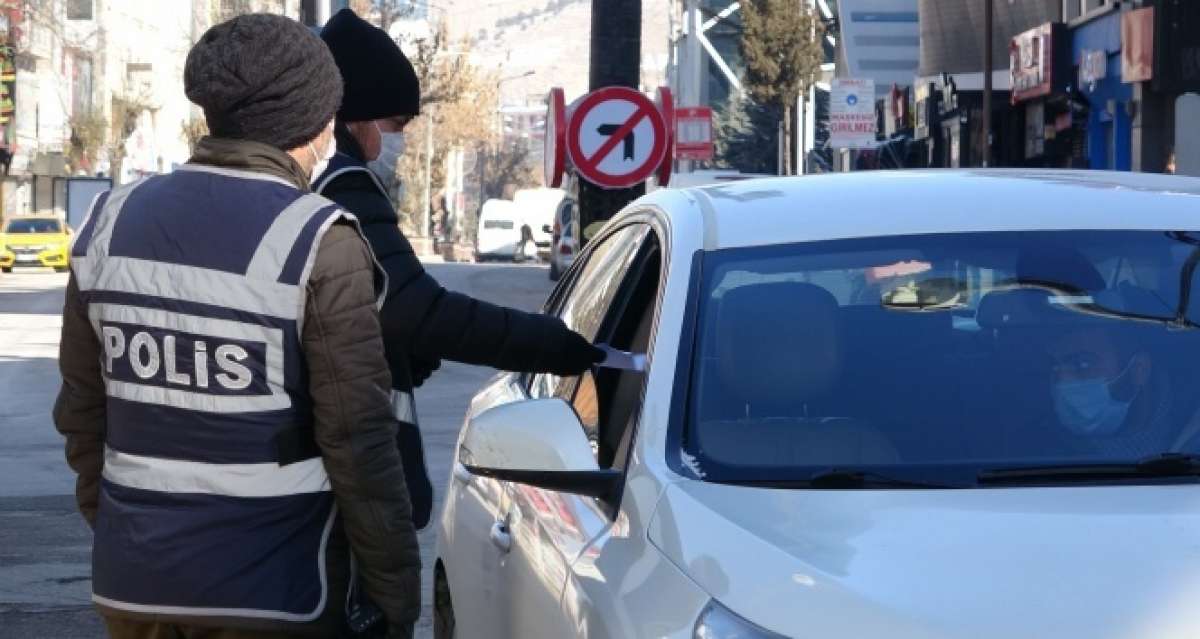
[{"x": 616, "y": 60}]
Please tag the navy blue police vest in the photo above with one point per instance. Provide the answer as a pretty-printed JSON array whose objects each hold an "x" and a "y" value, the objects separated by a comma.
[
  {"x": 404, "y": 407},
  {"x": 214, "y": 499}
]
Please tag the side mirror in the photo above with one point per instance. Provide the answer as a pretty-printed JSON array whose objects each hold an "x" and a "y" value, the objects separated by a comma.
[
  {"x": 538, "y": 442},
  {"x": 546, "y": 228}
]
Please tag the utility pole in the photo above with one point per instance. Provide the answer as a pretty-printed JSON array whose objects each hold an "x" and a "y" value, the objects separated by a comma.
[
  {"x": 427, "y": 193},
  {"x": 987, "y": 82},
  {"x": 616, "y": 60},
  {"x": 691, "y": 63}
]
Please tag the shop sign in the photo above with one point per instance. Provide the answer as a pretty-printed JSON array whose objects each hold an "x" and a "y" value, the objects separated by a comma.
[
  {"x": 1093, "y": 67},
  {"x": 1031, "y": 63},
  {"x": 949, "y": 90},
  {"x": 1035, "y": 130},
  {"x": 852, "y": 118},
  {"x": 896, "y": 112},
  {"x": 1137, "y": 45},
  {"x": 923, "y": 96}
]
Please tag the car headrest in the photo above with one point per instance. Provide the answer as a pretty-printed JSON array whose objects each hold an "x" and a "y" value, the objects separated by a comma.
[
  {"x": 1057, "y": 265},
  {"x": 1018, "y": 307},
  {"x": 778, "y": 344}
]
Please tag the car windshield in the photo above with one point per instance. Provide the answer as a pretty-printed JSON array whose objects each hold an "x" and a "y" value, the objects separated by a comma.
[
  {"x": 33, "y": 226},
  {"x": 936, "y": 357}
]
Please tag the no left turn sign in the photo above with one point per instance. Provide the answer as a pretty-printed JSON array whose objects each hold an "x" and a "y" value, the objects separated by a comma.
[{"x": 616, "y": 137}]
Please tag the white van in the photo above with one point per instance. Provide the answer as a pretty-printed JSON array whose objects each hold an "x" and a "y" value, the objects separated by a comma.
[
  {"x": 536, "y": 208},
  {"x": 499, "y": 234}
]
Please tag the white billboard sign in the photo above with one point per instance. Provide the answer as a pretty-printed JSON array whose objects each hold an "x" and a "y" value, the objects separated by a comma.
[{"x": 852, "y": 114}]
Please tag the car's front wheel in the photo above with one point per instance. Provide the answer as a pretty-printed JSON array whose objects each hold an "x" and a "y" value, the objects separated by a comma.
[
  {"x": 6, "y": 269},
  {"x": 443, "y": 607},
  {"x": 61, "y": 269}
]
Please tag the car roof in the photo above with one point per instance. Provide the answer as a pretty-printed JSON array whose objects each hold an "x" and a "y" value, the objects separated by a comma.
[{"x": 884, "y": 203}]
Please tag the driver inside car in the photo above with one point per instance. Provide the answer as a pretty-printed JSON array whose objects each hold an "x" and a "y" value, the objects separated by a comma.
[{"x": 1109, "y": 399}]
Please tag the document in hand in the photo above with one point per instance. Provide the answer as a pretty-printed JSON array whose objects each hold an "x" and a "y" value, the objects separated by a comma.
[{"x": 622, "y": 360}]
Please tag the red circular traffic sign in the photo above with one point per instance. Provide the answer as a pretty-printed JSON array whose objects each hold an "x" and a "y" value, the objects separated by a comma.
[
  {"x": 555, "y": 147},
  {"x": 666, "y": 106},
  {"x": 616, "y": 137}
]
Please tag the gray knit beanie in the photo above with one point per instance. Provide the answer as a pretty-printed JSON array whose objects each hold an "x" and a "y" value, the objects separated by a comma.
[{"x": 264, "y": 78}]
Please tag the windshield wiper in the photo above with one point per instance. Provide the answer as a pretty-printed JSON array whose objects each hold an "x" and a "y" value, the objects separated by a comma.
[
  {"x": 840, "y": 479},
  {"x": 1161, "y": 465}
]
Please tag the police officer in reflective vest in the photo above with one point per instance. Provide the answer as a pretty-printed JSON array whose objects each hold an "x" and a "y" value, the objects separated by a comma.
[
  {"x": 225, "y": 397},
  {"x": 423, "y": 323}
]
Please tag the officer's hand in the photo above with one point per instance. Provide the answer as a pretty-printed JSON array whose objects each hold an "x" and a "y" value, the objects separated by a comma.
[
  {"x": 577, "y": 355},
  {"x": 421, "y": 369}
]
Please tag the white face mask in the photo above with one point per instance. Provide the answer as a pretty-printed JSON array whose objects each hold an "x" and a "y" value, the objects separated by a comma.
[
  {"x": 391, "y": 149},
  {"x": 322, "y": 161}
]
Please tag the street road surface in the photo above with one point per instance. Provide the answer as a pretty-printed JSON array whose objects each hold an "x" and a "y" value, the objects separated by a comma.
[{"x": 44, "y": 545}]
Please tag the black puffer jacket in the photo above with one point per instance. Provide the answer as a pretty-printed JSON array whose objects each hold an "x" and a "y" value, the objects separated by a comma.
[{"x": 423, "y": 323}]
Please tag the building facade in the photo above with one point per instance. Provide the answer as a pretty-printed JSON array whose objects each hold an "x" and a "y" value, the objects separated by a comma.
[{"x": 95, "y": 88}]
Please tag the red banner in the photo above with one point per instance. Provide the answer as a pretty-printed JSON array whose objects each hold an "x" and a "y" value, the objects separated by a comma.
[{"x": 1137, "y": 45}]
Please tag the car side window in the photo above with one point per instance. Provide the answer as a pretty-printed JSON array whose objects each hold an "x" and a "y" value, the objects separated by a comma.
[
  {"x": 585, "y": 300},
  {"x": 613, "y": 304}
]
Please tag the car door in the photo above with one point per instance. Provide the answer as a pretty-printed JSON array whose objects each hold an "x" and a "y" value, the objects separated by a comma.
[
  {"x": 547, "y": 529},
  {"x": 470, "y": 559}
]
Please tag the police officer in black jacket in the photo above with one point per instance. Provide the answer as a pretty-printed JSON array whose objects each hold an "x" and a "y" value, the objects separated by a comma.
[{"x": 423, "y": 323}]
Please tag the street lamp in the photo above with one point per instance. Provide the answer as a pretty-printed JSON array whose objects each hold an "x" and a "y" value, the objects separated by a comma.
[
  {"x": 500, "y": 100},
  {"x": 499, "y": 131}
]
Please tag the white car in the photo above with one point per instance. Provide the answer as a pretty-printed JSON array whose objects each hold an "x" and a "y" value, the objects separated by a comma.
[
  {"x": 564, "y": 243},
  {"x": 499, "y": 232},
  {"x": 935, "y": 405}
]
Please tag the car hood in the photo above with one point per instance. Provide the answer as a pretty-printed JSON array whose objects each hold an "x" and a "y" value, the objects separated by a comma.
[
  {"x": 32, "y": 239},
  {"x": 1080, "y": 562}
]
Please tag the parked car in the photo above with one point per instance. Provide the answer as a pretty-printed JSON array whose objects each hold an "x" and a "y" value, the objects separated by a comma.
[
  {"x": 536, "y": 208},
  {"x": 564, "y": 242},
  {"x": 937, "y": 405},
  {"x": 499, "y": 233},
  {"x": 36, "y": 241}
]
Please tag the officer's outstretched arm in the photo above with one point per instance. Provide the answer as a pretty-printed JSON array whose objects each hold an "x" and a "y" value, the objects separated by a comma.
[
  {"x": 439, "y": 324},
  {"x": 350, "y": 383},
  {"x": 79, "y": 412}
]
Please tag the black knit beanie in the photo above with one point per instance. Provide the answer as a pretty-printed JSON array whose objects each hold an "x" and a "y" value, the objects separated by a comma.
[
  {"x": 380, "y": 81},
  {"x": 264, "y": 78}
]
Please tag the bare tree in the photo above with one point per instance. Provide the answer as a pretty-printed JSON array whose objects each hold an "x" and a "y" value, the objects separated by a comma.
[{"x": 384, "y": 12}]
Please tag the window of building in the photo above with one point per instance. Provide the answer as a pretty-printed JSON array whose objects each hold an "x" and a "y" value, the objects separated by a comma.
[
  {"x": 1073, "y": 9},
  {"x": 79, "y": 9}
]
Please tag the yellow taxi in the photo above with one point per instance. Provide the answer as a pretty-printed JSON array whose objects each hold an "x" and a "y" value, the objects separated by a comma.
[{"x": 37, "y": 241}]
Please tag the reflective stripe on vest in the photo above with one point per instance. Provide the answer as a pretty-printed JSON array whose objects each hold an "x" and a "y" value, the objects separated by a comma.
[
  {"x": 404, "y": 409},
  {"x": 203, "y": 370}
]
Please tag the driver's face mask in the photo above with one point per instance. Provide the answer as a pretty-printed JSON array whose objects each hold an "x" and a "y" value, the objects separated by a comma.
[{"x": 1087, "y": 406}]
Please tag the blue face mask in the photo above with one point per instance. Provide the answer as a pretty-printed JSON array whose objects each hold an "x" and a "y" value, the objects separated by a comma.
[{"x": 1087, "y": 407}]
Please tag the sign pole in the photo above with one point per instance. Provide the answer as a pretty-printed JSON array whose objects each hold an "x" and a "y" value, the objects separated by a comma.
[
  {"x": 616, "y": 45},
  {"x": 987, "y": 82}
]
